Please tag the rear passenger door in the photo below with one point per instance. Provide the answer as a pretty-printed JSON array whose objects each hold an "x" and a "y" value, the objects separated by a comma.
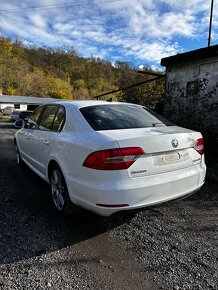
[{"x": 42, "y": 139}]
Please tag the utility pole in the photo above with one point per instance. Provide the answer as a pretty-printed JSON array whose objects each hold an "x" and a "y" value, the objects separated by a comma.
[{"x": 211, "y": 19}]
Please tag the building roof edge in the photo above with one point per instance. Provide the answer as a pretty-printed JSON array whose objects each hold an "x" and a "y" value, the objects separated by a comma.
[{"x": 205, "y": 52}]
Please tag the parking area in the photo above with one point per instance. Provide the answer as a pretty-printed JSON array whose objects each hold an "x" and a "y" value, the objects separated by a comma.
[{"x": 174, "y": 246}]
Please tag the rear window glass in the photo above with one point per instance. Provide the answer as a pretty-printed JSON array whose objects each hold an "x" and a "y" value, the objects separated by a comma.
[{"x": 112, "y": 117}]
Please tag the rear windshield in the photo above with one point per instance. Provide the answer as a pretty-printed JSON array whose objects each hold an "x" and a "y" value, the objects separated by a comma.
[{"x": 112, "y": 117}]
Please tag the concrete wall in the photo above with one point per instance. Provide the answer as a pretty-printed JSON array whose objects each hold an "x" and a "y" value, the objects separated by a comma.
[{"x": 192, "y": 95}]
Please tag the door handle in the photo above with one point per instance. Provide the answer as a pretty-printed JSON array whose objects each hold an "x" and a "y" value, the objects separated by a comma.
[{"x": 46, "y": 142}]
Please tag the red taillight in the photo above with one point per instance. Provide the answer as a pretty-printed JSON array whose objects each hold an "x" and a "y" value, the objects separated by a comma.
[
  {"x": 199, "y": 146},
  {"x": 113, "y": 159}
]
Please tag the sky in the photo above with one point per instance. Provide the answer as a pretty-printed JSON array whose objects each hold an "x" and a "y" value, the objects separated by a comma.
[{"x": 137, "y": 31}]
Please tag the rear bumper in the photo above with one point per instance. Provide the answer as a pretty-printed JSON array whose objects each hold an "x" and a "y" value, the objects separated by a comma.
[{"x": 137, "y": 193}]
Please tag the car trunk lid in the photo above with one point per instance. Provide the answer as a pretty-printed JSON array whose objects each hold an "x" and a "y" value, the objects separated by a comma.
[{"x": 166, "y": 148}]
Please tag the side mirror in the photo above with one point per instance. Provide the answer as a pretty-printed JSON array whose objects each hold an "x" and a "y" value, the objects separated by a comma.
[{"x": 19, "y": 124}]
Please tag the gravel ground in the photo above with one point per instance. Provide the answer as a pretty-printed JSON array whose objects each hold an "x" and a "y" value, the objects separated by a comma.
[
  {"x": 178, "y": 242},
  {"x": 174, "y": 246}
]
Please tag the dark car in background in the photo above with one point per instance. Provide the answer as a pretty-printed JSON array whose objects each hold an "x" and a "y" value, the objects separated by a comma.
[
  {"x": 24, "y": 115},
  {"x": 15, "y": 115}
]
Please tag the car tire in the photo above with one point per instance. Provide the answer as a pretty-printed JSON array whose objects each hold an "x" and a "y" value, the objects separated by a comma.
[
  {"x": 19, "y": 160},
  {"x": 59, "y": 192}
]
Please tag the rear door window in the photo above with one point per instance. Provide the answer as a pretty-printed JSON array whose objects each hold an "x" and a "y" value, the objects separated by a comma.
[{"x": 48, "y": 117}]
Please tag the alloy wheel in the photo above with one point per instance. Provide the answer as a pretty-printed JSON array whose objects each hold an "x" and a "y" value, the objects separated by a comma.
[{"x": 58, "y": 189}]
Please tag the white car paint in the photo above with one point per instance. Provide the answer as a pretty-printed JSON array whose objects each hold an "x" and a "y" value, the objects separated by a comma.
[{"x": 161, "y": 174}]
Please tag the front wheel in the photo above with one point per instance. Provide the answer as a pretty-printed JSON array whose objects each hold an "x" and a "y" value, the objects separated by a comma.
[{"x": 59, "y": 192}]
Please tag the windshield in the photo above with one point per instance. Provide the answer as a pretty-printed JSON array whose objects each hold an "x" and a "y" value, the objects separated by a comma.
[{"x": 112, "y": 117}]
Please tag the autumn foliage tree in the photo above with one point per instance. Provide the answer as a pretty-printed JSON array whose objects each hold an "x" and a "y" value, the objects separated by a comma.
[{"x": 62, "y": 73}]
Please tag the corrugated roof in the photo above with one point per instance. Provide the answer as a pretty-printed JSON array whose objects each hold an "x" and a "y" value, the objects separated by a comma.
[{"x": 5, "y": 99}]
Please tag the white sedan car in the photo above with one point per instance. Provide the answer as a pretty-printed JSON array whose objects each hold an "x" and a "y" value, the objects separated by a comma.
[{"x": 110, "y": 157}]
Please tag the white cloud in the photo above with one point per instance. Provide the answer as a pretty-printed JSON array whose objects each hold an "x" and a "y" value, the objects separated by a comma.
[
  {"x": 137, "y": 30},
  {"x": 194, "y": 5},
  {"x": 38, "y": 20},
  {"x": 154, "y": 51},
  {"x": 156, "y": 68}
]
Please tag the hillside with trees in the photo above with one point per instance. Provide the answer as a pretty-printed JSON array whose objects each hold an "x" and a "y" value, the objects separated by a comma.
[{"x": 62, "y": 73}]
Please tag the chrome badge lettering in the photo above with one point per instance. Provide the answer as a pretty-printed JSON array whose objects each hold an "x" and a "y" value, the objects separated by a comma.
[
  {"x": 197, "y": 160},
  {"x": 138, "y": 171}
]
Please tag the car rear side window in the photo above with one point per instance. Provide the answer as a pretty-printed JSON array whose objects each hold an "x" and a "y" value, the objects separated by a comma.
[
  {"x": 112, "y": 117},
  {"x": 59, "y": 119},
  {"x": 48, "y": 117}
]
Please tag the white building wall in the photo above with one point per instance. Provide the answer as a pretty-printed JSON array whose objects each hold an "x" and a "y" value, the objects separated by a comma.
[
  {"x": 192, "y": 95},
  {"x": 21, "y": 107},
  {"x": 3, "y": 106}
]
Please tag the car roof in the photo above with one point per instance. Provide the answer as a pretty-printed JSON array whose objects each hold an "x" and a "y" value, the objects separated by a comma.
[{"x": 88, "y": 103}]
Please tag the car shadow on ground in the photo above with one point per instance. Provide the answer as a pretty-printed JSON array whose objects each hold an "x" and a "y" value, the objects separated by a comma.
[{"x": 30, "y": 226}]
